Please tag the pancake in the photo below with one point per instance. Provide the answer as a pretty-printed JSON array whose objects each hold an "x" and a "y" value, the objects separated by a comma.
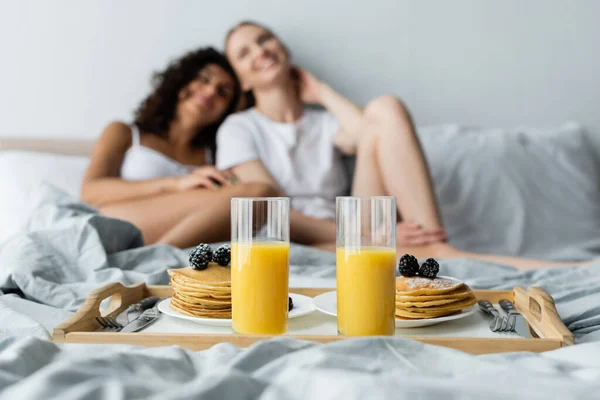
[
  {"x": 186, "y": 284},
  {"x": 199, "y": 311},
  {"x": 198, "y": 284},
  {"x": 220, "y": 314},
  {"x": 200, "y": 307},
  {"x": 217, "y": 293},
  {"x": 205, "y": 293},
  {"x": 423, "y": 298},
  {"x": 417, "y": 285},
  {"x": 420, "y": 316},
  {"x": 457, "y": 305},
  {"x": 459, "y": 293},
  {"x": 213, "y": 276},
  {"x": 423, "y": 304},
  {"x": 202, "y": 301}
]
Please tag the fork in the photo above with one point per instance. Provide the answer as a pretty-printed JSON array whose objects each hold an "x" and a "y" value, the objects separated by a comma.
[
  {"x": 510, "y": 321},
  {"x": 109, "y": 323},
  {"x": 487, "y": 307},
  {"x": 505, "y": 324}
]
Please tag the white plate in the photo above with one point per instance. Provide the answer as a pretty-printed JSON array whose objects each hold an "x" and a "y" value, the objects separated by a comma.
[
  {"x": 327, "y": 303},
  {"x": 303, "y": 305}
]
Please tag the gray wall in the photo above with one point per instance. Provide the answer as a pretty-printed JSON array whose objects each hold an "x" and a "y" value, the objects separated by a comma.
[{"x": 70, "y": 66}]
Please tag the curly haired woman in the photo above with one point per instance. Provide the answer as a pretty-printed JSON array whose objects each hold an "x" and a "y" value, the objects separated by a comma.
[{"x": 158, "y": 172}]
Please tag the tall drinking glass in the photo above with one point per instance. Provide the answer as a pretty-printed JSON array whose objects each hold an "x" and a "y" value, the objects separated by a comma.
[
  {"x": 260, "y": 248},
  {"x": 366, "y": 265}
]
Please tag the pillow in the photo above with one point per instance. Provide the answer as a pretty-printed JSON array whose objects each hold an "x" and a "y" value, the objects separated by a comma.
[
  {"x": 522, "y": 192},
  {"x": 22, "y": 171}
]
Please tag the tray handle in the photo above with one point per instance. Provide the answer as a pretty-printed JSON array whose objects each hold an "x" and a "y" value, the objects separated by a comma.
[
  {"x": 83, "y": 319},
  {"x": 540, "y": 311}
]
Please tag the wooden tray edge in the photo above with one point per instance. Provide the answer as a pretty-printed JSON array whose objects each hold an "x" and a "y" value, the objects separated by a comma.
[
  {"x": 84, "y": 318},
  {"x": 538, "y": 307},
  {"x": 80, "y": 328},
  {"x": 196, "y": 342}
]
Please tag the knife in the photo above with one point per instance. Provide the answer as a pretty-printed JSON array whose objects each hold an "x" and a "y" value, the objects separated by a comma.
[
  {"x": 135, "y": 310},
  {"x": 147, "y": 318},
  {"x": 519, "y": 323}
]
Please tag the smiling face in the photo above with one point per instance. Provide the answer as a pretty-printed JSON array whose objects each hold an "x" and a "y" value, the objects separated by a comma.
[
  {"x": 257, "y": 56},
  {"x": 206, "y": 98}
]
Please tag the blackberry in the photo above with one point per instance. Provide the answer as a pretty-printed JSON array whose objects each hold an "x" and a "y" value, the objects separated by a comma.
[
  {"x": 430, "y": 268},
  {"x": 201, "y": 256},
  {"x": 290, "y": 304},
  {"x": 222, "y": 255},
  {"x": 408, "y": 265}
]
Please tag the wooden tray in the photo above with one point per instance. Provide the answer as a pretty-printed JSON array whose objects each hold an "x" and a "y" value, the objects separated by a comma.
[{"x": 535, "y": 304}]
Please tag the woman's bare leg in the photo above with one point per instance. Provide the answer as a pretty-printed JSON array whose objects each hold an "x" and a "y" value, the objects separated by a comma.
[
  {"x": 390, "y": 161},
  {"x": 445, "y": 252},
  {"x": 367, "y": 175},
  {"x": 188, "y": 218}
]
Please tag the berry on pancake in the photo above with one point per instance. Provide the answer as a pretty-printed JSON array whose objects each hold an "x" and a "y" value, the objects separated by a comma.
[
  {"x": 222, "y": 255},
  {"x": 429, "y": 269},
  {"x": 408, "y": 265},
  {"x": 201, "y": 256}
]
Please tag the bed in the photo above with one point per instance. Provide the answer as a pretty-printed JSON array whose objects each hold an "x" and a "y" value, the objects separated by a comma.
[{"x": 529, "y": 192}]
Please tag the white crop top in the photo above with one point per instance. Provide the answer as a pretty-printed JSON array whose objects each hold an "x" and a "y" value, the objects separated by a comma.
[{"x": 143, "y": 163}]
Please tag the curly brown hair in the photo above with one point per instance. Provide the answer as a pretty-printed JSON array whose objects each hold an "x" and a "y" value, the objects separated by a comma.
[{"x": 157, "y": 111}]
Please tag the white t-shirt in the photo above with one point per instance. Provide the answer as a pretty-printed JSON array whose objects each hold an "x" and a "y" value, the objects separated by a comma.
[{"x": 300, "y": 156}]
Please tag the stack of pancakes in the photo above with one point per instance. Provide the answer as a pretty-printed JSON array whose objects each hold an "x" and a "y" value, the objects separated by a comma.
[
  {"x": 421, "y": 298},
  {"x": 205, "y": 293}
]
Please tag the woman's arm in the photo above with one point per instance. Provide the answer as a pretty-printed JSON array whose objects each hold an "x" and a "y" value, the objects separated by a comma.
[
  {"x": 102, "y": 183},
  {"x": 345, "y": 112},
  {"x": 303, "y": 229}
]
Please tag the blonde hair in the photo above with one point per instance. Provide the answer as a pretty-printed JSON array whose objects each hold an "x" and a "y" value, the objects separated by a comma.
[{"x": 238, "y": 26}]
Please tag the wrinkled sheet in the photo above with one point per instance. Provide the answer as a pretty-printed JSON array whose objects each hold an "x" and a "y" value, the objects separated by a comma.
[
  {"x": 68, "y": 250},
  {"x": 283, "y": 369}
]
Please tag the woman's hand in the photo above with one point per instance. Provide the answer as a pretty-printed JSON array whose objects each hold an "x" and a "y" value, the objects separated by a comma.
[
  {"x": 412, "y": 234},
  {"x": 206, "y": 177},
  {"x": 309, "y": 87}
]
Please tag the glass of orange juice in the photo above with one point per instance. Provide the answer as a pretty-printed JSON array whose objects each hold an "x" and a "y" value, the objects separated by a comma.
[
  {"x": 260, "y": 249},
  {"x": 366, "y": 265}
]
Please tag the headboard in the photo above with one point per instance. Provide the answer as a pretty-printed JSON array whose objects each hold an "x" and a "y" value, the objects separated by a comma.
[{"x": 80, "y": 147}]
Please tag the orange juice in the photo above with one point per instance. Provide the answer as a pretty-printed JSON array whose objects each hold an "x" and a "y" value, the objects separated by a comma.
[
  {"x": 259, "y": 287},
  {"x": 366, "y": 291}
]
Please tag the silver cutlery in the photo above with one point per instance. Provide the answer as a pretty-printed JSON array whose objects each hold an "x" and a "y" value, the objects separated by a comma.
[
  {"x": 514, "y": 321},
  {"x": 115, "y": 324},
  {"x": 135, "y": 310},
  {"x": 508, "y": 321},
  {"x": 147, "y": 318},
  {"x": 488, "y": 308},
  {"x": 109, "y": 323},
  {"x": 505, "y": 324}
]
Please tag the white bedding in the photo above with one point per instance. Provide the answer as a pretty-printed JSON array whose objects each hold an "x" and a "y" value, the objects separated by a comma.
[
  {"x": 21, "y": 172},
  {"x": 68, "y": 250},
  {"x": 284, "y": 369}
]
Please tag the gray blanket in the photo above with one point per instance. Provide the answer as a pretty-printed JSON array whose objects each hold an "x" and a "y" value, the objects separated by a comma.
[
  {"x": 285, "y": 369},
  {"x": 68, "y": 250}
]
